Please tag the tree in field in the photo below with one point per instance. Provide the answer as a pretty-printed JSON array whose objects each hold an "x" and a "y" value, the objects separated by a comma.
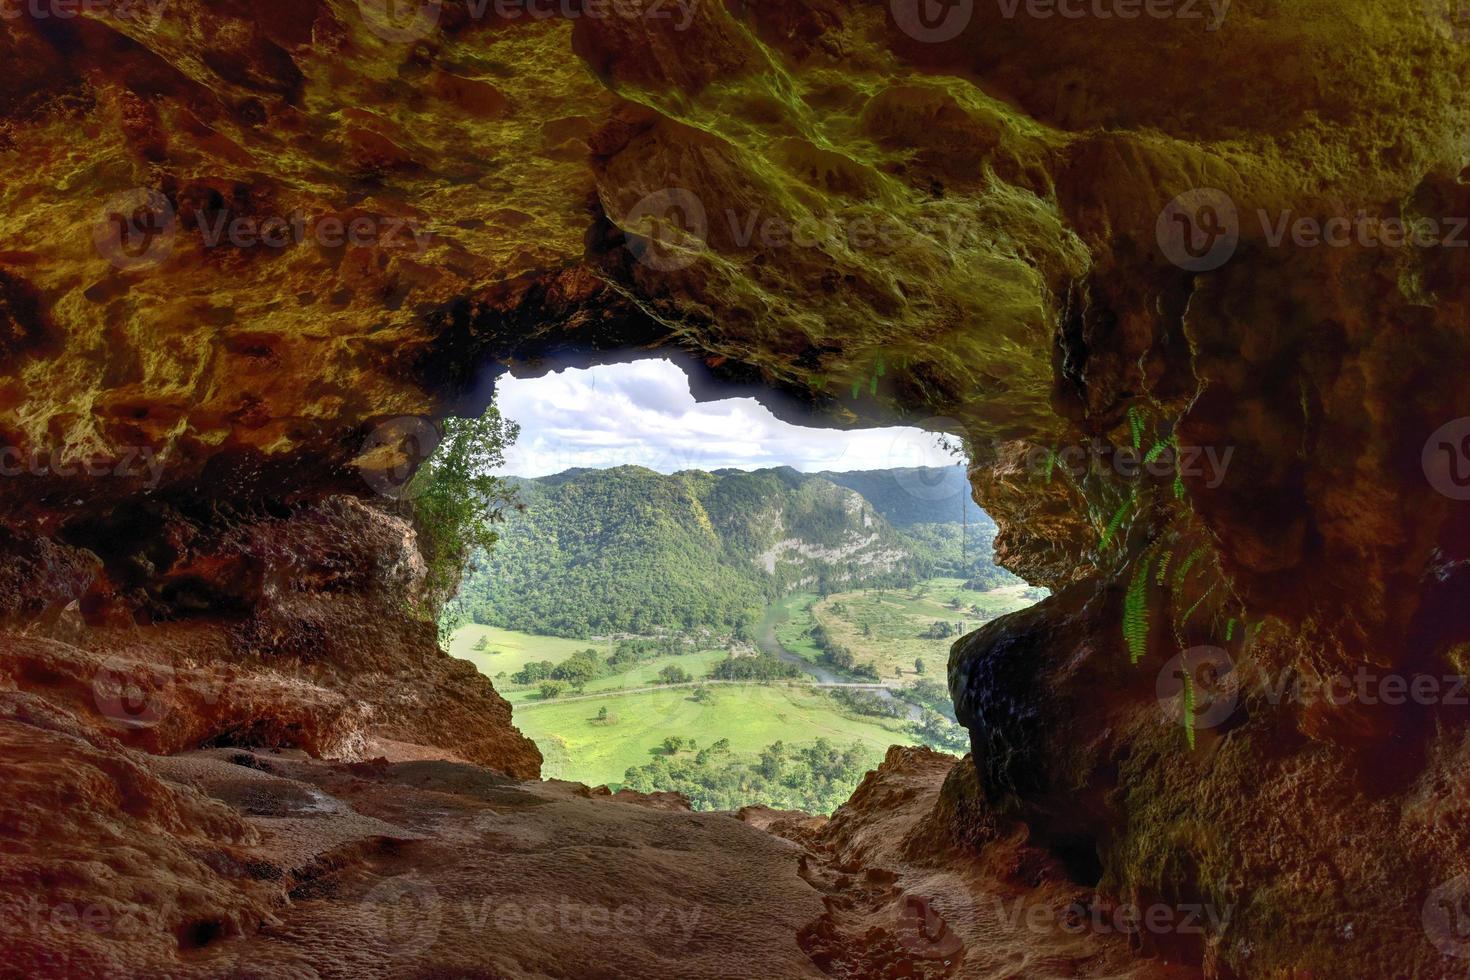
[
  {"x": 918, "y": 665},
  {"x": 482, "y": 643},
  {"x": 579, "y": 668},
  {"x": 551, "y": 690},
  {"x": 534, "y": 673},
  {"x": 673, "y": 674},
  {"x": 602, "y": 713}
]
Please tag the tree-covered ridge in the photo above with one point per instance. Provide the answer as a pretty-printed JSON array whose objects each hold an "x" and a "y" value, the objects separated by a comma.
[{"x": 628, "y": 550}]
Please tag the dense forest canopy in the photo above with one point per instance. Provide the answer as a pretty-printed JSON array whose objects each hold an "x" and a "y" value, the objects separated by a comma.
[{"x": 628, "y": 550}]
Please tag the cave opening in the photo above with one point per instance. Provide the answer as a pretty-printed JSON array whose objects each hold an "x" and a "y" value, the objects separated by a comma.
[{"x": 689, "y": 593}]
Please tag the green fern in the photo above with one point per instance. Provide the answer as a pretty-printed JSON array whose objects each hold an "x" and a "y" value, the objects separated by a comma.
[
  {"x": 1135, "y": 614},
  {"x": 1135, "y": 425},
  {"x": 1051, "y": 464},
  {"x": 1183, "y": 572},
  {"x": 1155, "y": 451},
  {"x": 1164, "y": 567},
  {"x": 1178, "y": 487},
  {"x": 1115, "y": 523},
  {"x": 1188, "y": 707},
  {"x": 1185, "y": 621},
  {"x": 1230, "y": 629}
]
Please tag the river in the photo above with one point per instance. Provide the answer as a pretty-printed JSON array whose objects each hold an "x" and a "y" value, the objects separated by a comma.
[{"x": 766, "y": 639}]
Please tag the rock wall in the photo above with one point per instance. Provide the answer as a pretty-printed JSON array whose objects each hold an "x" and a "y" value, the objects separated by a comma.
[{"x": 1189, "y": 286}]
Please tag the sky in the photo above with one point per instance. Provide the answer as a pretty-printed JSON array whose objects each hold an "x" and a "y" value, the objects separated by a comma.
[{"x": 643, "y": 414}]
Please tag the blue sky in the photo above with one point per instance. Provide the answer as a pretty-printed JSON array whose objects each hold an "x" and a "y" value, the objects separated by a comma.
[{"x": 644, "y": 414}]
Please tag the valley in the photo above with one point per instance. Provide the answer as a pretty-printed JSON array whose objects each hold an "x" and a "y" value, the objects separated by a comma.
[{"x": 740, "y": 637}]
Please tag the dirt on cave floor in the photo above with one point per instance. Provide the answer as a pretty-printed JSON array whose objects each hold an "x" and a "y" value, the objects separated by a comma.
[{"x": 432, "y": 867}]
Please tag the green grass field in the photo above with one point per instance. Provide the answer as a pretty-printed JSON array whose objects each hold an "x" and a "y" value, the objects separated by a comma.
[
  {"x": 509, "y": 651},
  {"x": 750, "y": 716},
  {"x": 895, "y": 618},
  {"x": 792, "y": 619}
]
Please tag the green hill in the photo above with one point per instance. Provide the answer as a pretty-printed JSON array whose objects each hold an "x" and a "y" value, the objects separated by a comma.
[{"x": 628, "y": 550}]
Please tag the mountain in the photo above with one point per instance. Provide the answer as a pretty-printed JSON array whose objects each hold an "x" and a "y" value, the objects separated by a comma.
[
  {"x": 628, "y": 550},
  {"x": 917, "y": 495}
]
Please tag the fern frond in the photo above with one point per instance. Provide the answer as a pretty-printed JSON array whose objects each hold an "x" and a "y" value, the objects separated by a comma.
[
  {"x": 1190, "y": 612},
  {"x": 1135, "y": 425},
  {"x": 1183, "y": 572},
  {"x": 1164, "y": 567},
  {"x": 1114, "y": 524},
  {"x": 1230, "y": 629},
  {"x": 1135, "y": 614}
]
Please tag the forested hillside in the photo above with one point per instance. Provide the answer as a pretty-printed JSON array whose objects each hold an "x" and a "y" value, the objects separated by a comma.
[{"x": 628, "y": 550}]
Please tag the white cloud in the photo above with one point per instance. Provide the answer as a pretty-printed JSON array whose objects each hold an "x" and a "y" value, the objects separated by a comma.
[{"x": 643, "y": 414}]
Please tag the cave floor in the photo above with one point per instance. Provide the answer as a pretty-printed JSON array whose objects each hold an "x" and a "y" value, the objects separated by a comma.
[{"x": 439, "y": 868}]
